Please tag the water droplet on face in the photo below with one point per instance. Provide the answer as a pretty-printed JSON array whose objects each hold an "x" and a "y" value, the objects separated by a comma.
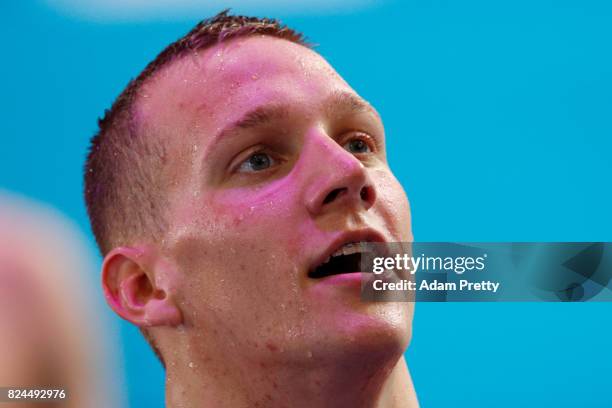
[
  {"x": 191, "y": 365},
  {"x": 309, "y": 354}
]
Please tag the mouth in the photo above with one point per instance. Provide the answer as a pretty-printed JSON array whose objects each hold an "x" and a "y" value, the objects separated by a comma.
[{"x": 345, "y": 255}]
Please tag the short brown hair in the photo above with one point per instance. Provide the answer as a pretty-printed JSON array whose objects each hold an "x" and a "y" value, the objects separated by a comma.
[{"x": 122, "y": 172}]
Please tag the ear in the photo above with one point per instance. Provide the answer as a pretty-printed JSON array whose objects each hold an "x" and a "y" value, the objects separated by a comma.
[{"x": 131, "y": 290}]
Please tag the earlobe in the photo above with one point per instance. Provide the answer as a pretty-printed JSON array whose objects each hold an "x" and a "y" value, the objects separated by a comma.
[{"x": 131, "y": 291}]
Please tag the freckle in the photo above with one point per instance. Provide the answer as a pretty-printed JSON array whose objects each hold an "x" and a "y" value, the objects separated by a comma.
[
  {"x": 271, "y": 346},
  {"x": 268, "y": 397},
  {"x": 274, "y": 384}
]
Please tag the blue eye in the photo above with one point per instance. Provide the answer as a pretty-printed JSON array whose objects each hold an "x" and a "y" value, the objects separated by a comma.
[
  {"x": 256, "y": 162},
  {"x": 357, "y": 146}
]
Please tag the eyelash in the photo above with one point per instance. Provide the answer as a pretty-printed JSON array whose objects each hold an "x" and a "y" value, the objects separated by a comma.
[
  {"x": 356, "y": 134},
  {"x": 235, "y": 168},
  {"x": 352, "y": 135}
]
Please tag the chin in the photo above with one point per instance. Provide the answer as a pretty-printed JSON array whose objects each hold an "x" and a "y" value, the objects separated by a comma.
[{"x": 379, "y": 328}]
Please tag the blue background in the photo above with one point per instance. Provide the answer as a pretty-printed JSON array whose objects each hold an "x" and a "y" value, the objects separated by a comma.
[{"x": 498, "y": 117}]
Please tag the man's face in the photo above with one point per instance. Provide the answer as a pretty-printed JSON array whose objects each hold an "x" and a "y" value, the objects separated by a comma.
[{"x": 275, "y": 163}]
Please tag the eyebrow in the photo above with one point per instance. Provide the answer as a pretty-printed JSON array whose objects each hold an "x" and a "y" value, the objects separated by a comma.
[
  {"x": 260, "y": 116},
  {"x": 343, "y": 102},
  {"x": 337, "y": 104},
  {"x": 252, "y": 119}
]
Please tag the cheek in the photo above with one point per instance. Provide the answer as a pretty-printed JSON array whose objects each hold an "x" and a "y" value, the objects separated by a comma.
[
  {"x": 231, "y": 262},
  {"x": 268, "y": 216},
  {"x": 392, "y": 204},
  {"x": 227, "y": 284}
]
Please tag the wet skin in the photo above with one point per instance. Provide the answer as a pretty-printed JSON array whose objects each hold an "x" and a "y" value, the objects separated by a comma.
[{"x": 273, "y": 162}]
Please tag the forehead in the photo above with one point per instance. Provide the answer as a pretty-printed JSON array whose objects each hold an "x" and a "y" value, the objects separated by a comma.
[{"x": 205, "y": 90}]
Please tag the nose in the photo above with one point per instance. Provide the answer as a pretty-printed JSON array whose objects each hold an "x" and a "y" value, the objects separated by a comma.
[{"x": 339, "y": 180}]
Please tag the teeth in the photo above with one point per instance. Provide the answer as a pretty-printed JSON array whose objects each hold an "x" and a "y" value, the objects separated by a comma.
[{"x": 347, "y": 249}]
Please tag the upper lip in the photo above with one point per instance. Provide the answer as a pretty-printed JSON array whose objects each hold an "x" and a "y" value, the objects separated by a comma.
[{"x": 361, "y": 235}]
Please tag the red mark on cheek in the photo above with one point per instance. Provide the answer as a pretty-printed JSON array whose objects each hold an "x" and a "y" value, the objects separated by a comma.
[
  {"x": 272, "y": 347},
  {"x": 236, "y": 222}
]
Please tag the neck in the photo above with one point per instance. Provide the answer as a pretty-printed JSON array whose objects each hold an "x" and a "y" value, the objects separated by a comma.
[{"x": 369, "y": 383}]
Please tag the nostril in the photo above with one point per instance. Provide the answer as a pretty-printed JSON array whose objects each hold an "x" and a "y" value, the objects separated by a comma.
[
  {"x": 364, "y": 194},
  {"x": 333, "y": 195},
  {"x": 367, "y": 194}
]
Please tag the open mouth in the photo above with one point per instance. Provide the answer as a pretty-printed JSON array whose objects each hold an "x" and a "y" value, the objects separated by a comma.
[{"x": 346, "y": 259}]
